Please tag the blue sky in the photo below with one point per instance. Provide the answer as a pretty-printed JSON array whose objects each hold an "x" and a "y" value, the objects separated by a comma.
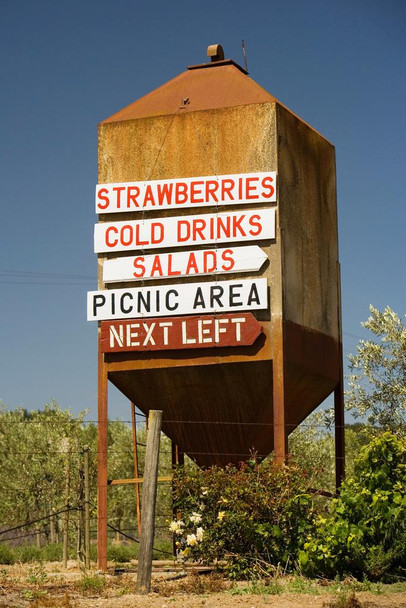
[{"x": 67, "y": 65}]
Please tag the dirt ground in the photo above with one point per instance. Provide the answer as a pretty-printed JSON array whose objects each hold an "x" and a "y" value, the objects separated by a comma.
[{"x": 49, "y": 586}]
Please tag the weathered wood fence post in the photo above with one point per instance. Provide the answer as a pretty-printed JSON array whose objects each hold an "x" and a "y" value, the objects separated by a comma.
[
  {"x": 87, "y": 506},
  {"x": 149, "y": 502}
]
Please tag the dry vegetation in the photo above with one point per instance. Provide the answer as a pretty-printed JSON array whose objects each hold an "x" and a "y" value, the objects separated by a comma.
[{"x": 49, "y": 586}]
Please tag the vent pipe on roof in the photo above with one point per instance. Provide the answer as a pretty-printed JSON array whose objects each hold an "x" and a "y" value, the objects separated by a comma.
[{"x": 215, "y": 51}]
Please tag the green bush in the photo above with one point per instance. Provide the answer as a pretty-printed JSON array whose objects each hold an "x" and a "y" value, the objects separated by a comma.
[
  {"x": 28, "y": 553},
  {"x": 52, "y": 552},
  {"x": 7, "y": 555},
  {"x": 365, "y": 532},
  {"x": 91, "y": 584},
  {"x": 256, "y": 516},
  {"x": 122, "y": 553}
]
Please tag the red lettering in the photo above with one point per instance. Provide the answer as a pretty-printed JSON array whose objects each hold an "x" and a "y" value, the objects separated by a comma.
[
  {"x": 126, "y": 235},
  {"x": 250, "y": 188},
  {"x": 157, "y": 233},
  {"x": 149, "y": 196},
  {"x": 138, "y": 240},
  {"x": 138, "y": 264},
  {"x": 132, "y": 198},
  {"x": 164, "y": 192},
  {"x": 223, "y": 224},
  {"x": 171, "y": 273},
  {"x": 237, "y": 225},
  {"x": 192, "y": 264},
  {"x": 255, "y": 221},
  {"x": 195, "y": 191},
  {"x": 267, "y": 185},
  {"x": 183, "y": 231},
  {"x": 206, "y": 256},
  {"x": 198, "y": 227},
  {"x": 211, "y": 188},
  {"x": 227, "y": 186},
  {"x": 240, "y": 180},
  {"x": 119, "y": 190},
  {"x": 101, "y": 196},
  {"x": 227, "y": 257},
  {"x": 113, "y": 230},
  {"x": 180, "y": 193},
  {"x": 156, "y": 266}
]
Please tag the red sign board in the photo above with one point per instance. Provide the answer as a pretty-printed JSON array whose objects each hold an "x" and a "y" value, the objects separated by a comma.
[{"x": 173, "y": 333}]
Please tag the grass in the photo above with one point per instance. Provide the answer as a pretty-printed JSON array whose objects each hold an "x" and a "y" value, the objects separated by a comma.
[
  {"x": 94, "y": 584},
  {"x": 194, "y": 583},
  {"x": 299, "y": 584}
]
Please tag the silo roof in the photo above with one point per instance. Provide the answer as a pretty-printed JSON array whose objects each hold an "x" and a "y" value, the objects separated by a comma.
[{"x": 208, "y": 86}]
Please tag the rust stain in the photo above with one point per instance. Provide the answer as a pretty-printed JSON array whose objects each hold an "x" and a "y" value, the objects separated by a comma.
[{"x": 222, "y": 86}]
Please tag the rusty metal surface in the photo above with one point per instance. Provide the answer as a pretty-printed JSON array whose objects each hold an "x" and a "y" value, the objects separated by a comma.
[
  {"x": 102, "y": 417},
  {"x": 223, "y": 85},
  {"x": 200, "y": 400},
  {"x": 229, "y": 124}
]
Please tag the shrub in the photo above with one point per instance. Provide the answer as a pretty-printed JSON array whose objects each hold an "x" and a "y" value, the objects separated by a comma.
[
  {"x": 7, "y": 555},
  {"x": 91, "y": 584},
  {"x": 256, "y": 516},
  {"x": 28, "y": 553},
  {"x": 52, "y": 552},
  {"x": 122, "y": 553},
  {"x": 365, "y": 532}
]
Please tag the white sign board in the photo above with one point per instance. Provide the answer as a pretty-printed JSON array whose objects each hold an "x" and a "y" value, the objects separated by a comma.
[
  {"x": 185, "y": 230},
  {"x": 184, "y": 263},
  {"x": 182, "y": 299},
  {"x": 246, "y": 188}
]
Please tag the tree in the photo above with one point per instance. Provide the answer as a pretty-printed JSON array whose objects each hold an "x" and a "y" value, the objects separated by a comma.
[
  {"x": 377, "y": 388},
  {"x": 365, "y": 532}
]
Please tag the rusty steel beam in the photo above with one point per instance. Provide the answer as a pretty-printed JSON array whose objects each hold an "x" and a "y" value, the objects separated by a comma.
[
  {"x": 102, "y": 463},
  {"x": 136, "y": 471}
]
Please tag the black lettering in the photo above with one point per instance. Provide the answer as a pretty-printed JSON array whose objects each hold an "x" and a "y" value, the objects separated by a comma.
[
  {"x": 167, "y": 302},
  {"x": 98, "y": 301},
  {"x": 124, "y": 310},
  {"x": 145, "y": 302},
  {"x": 253, "y": 296},
  {"x": 233, "y": 295},
  {"x": 215, "y": 297},
  {"x": 199, "y": 299}
]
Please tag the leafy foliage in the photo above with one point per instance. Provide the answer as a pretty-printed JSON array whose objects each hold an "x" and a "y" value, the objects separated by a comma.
[
  {"x": 377, "y": 389},
  {"x": 38, "y": 452},
  {"x": 256, "y": 516},
  {"x": 365, "y": 533}
]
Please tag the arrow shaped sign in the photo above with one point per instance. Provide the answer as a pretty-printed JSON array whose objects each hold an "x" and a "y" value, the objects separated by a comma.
[
  {"x": 173, "y": 333},
  {"x": 185, "y": 263}
]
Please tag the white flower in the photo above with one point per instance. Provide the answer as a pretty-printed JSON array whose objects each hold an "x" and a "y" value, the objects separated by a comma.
[
  {"x": 199, "y": 534},
  {"x": 221, "y": 515},
  {"x": 176, "y": 526},
  {"x": 196, "y": 518},
  {"x": 191, "y": 540}
]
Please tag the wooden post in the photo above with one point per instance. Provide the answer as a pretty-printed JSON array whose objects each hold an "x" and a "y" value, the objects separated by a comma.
[
  {"x": 339, "y": 435},
  {"x": 102, "y": 464},
  {"x": 87, "y": 507},
  {"x": 52, "y": 529},
  {"x": 149, "y": 502},
  {"x": 178, "y": 459},
  {"x": 80, "y": 521},
  {"x": 280, "y": 436},
  {"x": 136, "y": 471},
  {"x": 67, "y": 498}
]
